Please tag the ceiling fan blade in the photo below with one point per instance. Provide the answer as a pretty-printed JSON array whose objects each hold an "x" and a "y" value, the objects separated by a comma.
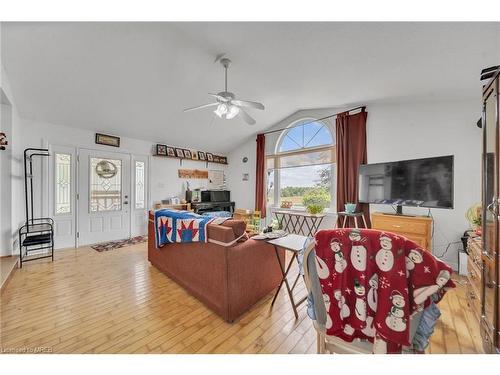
[
  {"x": 246, "y": 117},
  {"x": 246, "y": 103},
  {"x": 221, "y": 98},
  {"x": 201, "y": 106}
]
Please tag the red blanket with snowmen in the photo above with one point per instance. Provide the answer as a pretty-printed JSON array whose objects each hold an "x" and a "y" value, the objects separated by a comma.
[{"x": 373, "y": 281}]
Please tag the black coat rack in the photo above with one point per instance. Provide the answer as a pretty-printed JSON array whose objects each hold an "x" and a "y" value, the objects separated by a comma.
[{"x": 37, "y": 234}]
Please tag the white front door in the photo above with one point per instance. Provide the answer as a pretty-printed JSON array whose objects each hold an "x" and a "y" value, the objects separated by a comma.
[{"x": 103, "y": 197}]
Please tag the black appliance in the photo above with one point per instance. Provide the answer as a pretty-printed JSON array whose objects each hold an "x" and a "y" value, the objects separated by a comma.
[
  {"x": 419, "y": 183},
  {"x": 215, "y": 196},
  {"x": 214, "y": 200}
]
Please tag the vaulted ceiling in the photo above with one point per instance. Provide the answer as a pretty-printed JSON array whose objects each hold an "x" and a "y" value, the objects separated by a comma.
[{"x": 134, "y": 79}]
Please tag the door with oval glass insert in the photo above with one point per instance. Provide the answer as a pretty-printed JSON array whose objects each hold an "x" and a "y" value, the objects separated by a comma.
[{"x": 104, "y": 197}]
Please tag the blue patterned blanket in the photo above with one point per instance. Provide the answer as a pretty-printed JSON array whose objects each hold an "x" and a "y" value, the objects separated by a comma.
[{"x": 180, "y": 226}]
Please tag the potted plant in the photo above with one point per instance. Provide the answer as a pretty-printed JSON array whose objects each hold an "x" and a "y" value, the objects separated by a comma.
[
  {"x": 473, "y": 216},
  {"x": 316, "y": 200}
]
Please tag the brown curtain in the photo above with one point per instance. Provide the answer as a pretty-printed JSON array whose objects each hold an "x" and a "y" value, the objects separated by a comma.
[
  {"x": 260, "y": 180},
  {"x": 351, "y": 153}
]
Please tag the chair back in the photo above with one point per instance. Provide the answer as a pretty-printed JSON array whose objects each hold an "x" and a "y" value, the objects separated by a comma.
[{"x": 334, "y": 344}]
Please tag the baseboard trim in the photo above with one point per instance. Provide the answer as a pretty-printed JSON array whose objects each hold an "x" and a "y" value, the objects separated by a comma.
[{"x": 10, "y": 272}]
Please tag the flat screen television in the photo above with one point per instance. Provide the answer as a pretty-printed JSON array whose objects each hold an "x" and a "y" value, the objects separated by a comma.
[{"x": 418, "y": 183}]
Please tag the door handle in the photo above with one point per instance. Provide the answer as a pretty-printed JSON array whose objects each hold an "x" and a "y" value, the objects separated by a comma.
[
  {"x": 126, "y": 202},
  {"x": 492, "y": 207}
]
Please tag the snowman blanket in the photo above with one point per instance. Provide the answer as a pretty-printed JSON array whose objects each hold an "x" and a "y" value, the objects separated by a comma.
[{"x": 373, "y": 281}]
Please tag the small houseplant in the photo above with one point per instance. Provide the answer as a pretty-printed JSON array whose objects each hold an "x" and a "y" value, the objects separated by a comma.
[
  {"x": 473, "y": 216},
  {"x": 315, "y": 200}
]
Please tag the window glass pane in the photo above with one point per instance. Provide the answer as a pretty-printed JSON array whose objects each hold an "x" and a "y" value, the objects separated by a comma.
[
  {"x": 307, "y": 158},
  {"x": 105, "y": 185},
  {"x": 270, "y": 163},
  {"x": 297, "y": 182},
  {"x": 63, "y": 184},
  {"x": 139, "y": 185},
  {"x": 270, "y": 186},
  {"x": 310, "y": 134},
  {"x": 322, "y": 137}
]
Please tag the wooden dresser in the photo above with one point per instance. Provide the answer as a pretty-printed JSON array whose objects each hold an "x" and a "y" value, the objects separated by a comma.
[
  {"x": 474, "y": 272},
  {"x": 415, "y": 228}
]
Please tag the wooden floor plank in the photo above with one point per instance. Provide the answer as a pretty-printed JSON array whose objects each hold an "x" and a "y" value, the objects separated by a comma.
[{"x": 116, "y": 302}]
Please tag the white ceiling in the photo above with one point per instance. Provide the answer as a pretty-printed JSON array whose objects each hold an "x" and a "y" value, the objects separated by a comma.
[{"x": 134, "y": 79}]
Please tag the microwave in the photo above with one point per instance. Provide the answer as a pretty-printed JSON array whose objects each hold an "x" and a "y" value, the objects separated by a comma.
[{"x": 215, "y": 196}]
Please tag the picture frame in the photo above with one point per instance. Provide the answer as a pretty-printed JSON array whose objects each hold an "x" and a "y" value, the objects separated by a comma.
[
  {"x": 170, "y": 151},
  {"x": 194, "y": 155},
  {"x": 210, "y": 157},
  {"x": 187, "y": 154},
  {"x": 216, "y": 158},
  {"x": 179, "y": 152},
  {"x": 107, "y": 140},
  {"x": 223, "y": 160},
  {"x": 161, "y": 150},
  {"x": 202, "y": 155}
]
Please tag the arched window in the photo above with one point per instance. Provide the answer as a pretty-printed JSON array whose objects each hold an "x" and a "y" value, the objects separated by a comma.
[{"x": 303, "y": 163}]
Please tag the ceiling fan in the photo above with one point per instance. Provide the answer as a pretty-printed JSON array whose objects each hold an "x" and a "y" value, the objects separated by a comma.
[{"x": 228, "y": 106}]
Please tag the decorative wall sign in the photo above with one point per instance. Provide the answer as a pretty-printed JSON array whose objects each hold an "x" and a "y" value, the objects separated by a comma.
[
  {"x": 107, "y": 140},
  {"x": 193, "y": 173},
  {"x": 175, "y": 152}
]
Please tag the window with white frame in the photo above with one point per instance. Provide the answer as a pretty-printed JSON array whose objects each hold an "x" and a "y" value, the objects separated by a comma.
[
  {"x": 63, "y": 183},
  {"x": 303, "y": 166},
  {"x": 140, "y": 194}
]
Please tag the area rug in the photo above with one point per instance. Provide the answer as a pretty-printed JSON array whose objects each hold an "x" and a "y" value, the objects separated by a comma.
[{"x": 105, "y": 246}]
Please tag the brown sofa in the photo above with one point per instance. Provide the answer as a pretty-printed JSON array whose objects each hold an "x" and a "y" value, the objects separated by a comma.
[{"x": 229, "y": 279}]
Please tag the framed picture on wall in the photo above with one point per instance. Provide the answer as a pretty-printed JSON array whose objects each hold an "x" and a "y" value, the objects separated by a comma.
[
  {"x": 170, "y": 151},
  {"x": 216, "y": 158},
  {"x": 202, "y": 156},
  {"x": 161, "y": 150},
  {"x": 107, "y": 140},
  {"x": 187, "y": 154},
  {"x": 194, "y": 155},
  {"x": 179, "y": 152},
  {"x": 223, "y": 160},
  {"x": 210, "y": 157}
]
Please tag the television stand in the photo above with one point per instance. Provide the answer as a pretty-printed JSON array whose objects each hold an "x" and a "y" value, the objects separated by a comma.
[
  {"x": 399, "y": 212},
  {"x": 415, "y": 228}
]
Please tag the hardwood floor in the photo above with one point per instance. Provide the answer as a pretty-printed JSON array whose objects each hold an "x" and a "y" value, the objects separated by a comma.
[{"x": 116, "y": 302}]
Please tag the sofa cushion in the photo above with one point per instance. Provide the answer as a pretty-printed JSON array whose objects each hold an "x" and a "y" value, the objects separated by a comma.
[{"x": 227, "y": 231}]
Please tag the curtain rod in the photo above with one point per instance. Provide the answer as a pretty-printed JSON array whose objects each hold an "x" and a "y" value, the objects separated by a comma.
[{"x": 319, "y": 119}]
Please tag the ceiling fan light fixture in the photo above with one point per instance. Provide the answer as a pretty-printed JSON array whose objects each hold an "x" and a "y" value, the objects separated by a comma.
[
  {"x": 221, "y": 110},
  {"x": 232, "y": 112}
]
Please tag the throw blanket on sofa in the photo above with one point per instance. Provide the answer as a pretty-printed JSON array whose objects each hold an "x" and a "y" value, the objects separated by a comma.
[
  {"x": 173, "y": 226},
  {"x": 372, "y": 282}
]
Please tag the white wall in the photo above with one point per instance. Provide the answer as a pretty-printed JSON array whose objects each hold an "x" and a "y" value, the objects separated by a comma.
[
  {"x": 8, "y": 174},
  {"x": 397, "y": 131},
  {"x": 5, "y": 180}
]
